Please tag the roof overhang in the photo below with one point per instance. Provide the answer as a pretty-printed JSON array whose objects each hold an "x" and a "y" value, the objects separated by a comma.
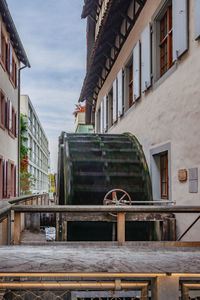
[
  {"x": 14, "y": 36},
  {"x": 117, "y": 12},
  {"x": 89, "y": 7}
]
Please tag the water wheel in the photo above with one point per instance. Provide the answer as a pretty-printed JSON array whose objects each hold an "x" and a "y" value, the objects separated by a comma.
[{"x": 90, "y": 165}]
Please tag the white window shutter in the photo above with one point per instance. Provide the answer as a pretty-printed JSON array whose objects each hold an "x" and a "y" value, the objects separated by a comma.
[
  {"x": 11, "y": 66},
  {"x": 196, "y": 19},
  {"x": 115, "y": 101},
  {"x": 136, "y": 71},
  {"x": 102, "y": 117},
  {"x": 10, "y": 116},
  {"x": 120, "y": 92},
  {"x": 146, "y": 58},
  {"x": 96, "y": 120},
  {"x": 180, "y": 27},
  {"x": 105, "y": 113}
]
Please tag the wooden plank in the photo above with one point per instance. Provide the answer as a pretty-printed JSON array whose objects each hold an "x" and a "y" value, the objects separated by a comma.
[
  {"x": 17, "y": 227},
  {"x": 109, "y": 208},
  {"x": 121, "y": 228},
  {"x": 106, "y": 217}
]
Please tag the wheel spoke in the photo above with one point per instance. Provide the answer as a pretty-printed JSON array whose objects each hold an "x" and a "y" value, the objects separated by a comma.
[{"x": 122, "y": 197}]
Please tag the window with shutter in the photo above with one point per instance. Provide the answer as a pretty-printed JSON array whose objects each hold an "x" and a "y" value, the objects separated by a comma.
[{"x": 166, "y": 59}]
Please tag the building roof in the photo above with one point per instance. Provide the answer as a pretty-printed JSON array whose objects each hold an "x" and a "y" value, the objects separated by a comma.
[
  {"x": 88, "y": 7},
  {"x": 108, "y": 259},
  {"x": 15, "y": 39},
  {"x": 110, "y": 28}
]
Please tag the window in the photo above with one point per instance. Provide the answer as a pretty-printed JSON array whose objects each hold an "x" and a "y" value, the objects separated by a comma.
[
  {"x": 10, "y": 179},
  {"x": 160, "y": 165},
  {"x": 164, "y": 176},
  {"x": 13, "y": 122},
  {"x": 3, "y": 48},
  {"x": 130, "y": 85},
  {"x": 166, "y": 56},
  {"x": 2, "y": 110}
]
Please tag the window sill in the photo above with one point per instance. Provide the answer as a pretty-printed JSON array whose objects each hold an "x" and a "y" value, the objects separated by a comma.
[
  {"x": 129, "y": 110},
  {"x": 164, "y": 77}
]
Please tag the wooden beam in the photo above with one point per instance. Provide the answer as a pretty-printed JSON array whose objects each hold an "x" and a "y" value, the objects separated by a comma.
[
  {"x": 121, "y": 228},
  {"x": 17, "y": 227}
]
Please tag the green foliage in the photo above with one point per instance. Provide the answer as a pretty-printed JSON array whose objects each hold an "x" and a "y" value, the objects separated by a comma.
[
  {"x": 26, "y": 179},
  {"x": 23, "y": 138}
]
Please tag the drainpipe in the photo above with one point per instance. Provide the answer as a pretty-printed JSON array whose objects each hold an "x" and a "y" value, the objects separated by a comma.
[{"x": 19, "y": 89}]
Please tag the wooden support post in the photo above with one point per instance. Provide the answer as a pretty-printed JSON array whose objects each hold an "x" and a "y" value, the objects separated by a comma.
[
  {"x": 172, "y": 229},
  {"x": 17, "y": 227},
  {"x": 165, "y": 231},
  {"x": 145, "y": 293},
  {"x": 113, "y": 231},
  {"x": 165, "y": 288},
  {"x": 184, "y": 292},
  {"x": 121, "y": 228},
  {"x": 9, "y": 229}
]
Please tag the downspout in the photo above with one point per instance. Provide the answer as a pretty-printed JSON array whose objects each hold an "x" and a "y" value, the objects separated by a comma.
[{"x": 19, "y": 89}]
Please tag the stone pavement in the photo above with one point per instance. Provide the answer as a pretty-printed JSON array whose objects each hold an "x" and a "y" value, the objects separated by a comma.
[{"x": 63, "y": 258}]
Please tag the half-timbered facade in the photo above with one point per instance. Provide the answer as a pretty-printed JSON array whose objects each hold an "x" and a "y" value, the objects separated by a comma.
[
  {"x": 143, "y": 74},
  {"x": 12, "y": 54}
]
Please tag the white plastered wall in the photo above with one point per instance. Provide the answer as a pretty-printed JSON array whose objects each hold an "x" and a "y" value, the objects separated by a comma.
[{"x": 169, "y": 113}]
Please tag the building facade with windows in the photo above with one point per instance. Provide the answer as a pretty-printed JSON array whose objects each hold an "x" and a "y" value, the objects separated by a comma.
[
  {"x": 143, "y": 74},
  {"x": 12, "y": 58},
  {"x": 38, "y": 154}
]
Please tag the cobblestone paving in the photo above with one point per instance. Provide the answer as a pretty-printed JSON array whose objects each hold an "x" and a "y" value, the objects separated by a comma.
[{"x": 99, "y": 259}]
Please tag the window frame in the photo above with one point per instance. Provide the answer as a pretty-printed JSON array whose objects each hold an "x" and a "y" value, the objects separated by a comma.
[
  {"x": 156, "y": 41},
  {"x": 155, "y": 154},
  {"x": 3, "y": 110},
  {"x": 164, "y": 179}
]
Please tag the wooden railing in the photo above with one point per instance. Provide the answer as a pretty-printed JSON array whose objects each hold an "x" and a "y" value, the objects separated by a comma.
[
  {"x": 7, "y": 215},
  {"x": 118, "y": 214}
]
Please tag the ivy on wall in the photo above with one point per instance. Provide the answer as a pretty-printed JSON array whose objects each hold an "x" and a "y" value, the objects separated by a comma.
[{"x": 26, "y": 179}]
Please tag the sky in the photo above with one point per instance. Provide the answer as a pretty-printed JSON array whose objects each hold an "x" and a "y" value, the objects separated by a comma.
[{"x": 54, "y": 37}]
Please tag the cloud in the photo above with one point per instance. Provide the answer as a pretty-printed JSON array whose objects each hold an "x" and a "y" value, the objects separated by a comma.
[{"x": 54, "y": 37}]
